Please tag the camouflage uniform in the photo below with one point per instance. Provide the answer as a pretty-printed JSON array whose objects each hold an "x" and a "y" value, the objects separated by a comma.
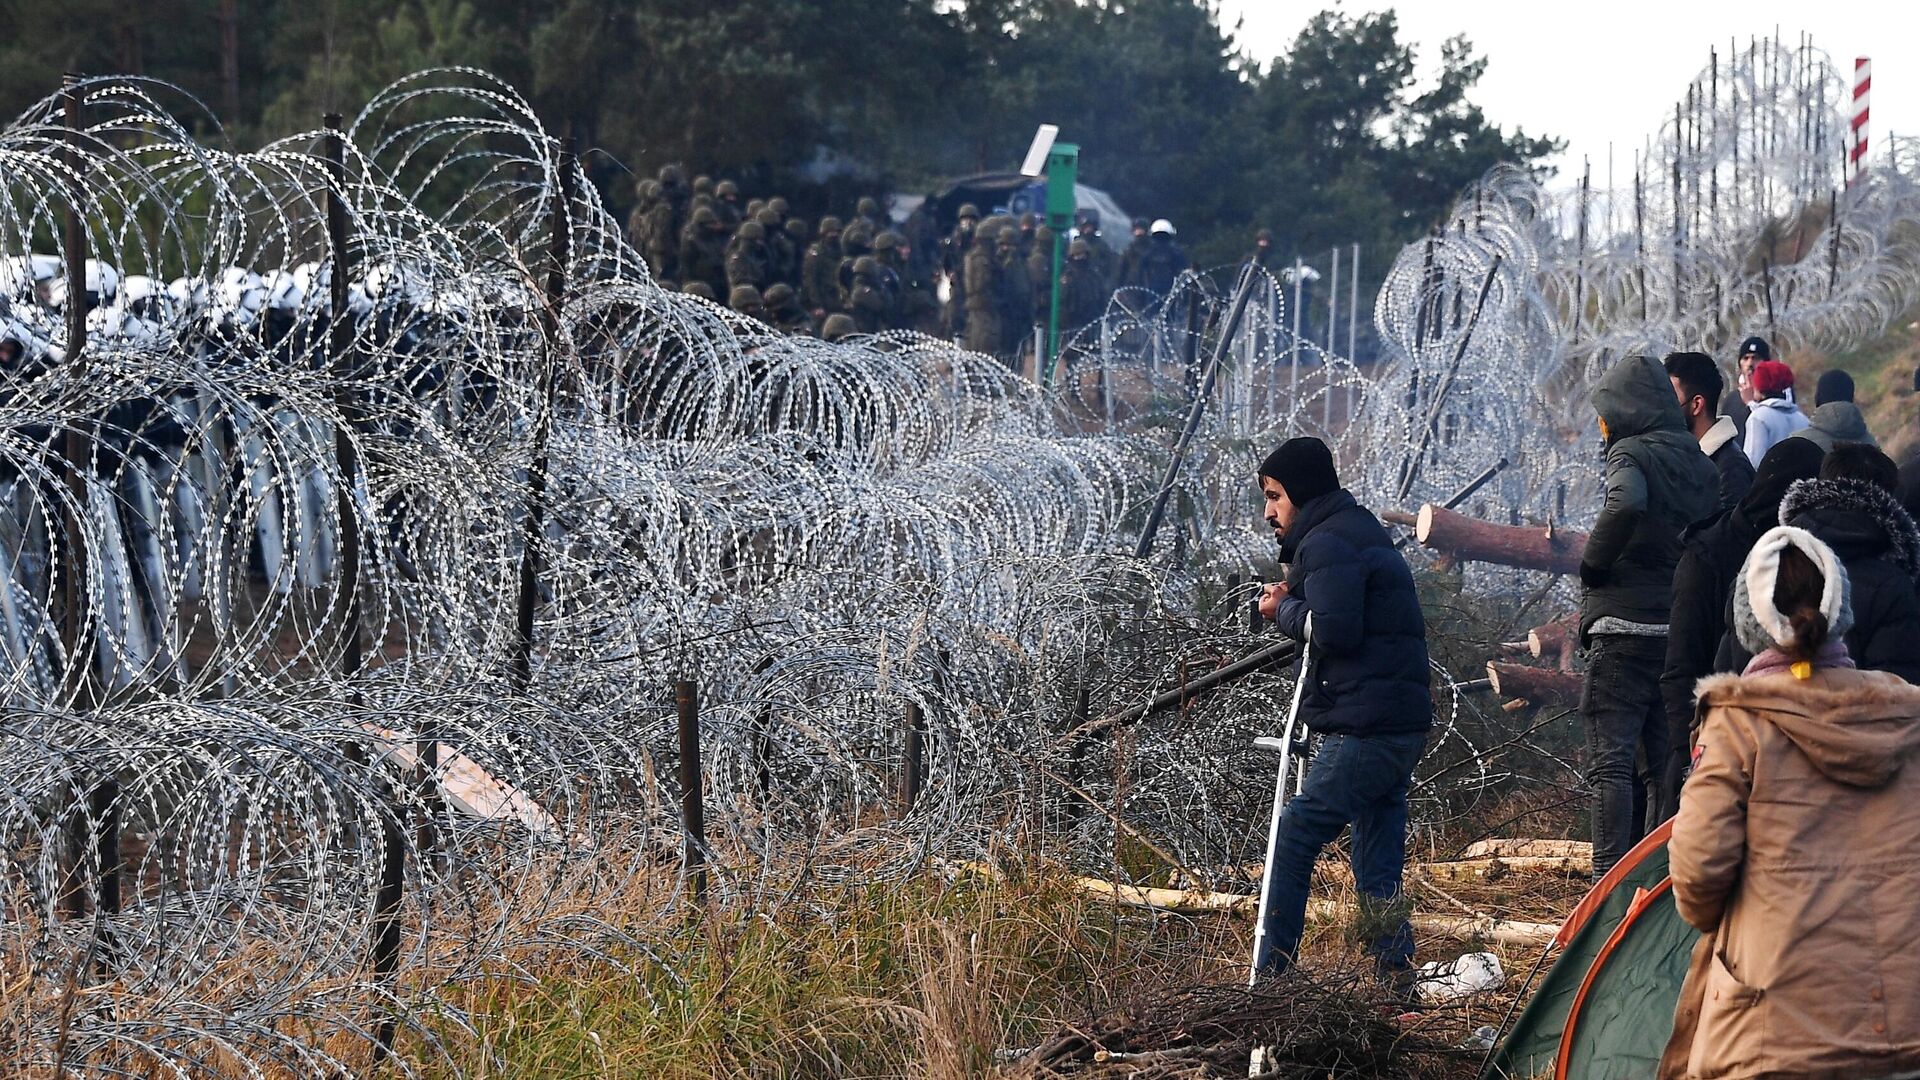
[
  {"x": 983, "y": 284},
  {"x": 703, "y": 250},
  {"x": 819, "y": 287},
  {"x": 1016, "y": 294},
  {"x": 868, "y": 299},
  {"x": 784, "y": 310},
  {"x": 747, "y": 256}
]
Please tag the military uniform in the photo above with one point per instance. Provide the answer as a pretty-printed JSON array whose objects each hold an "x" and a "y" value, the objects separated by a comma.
[
  {"x": 703, "y": 251},
  {"x": 982, "y": 275},
  {"x": 819, "y": 286},
  {"x": 747, "y": 256}
]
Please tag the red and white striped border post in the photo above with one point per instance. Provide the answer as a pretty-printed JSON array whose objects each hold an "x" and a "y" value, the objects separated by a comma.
[{"x": 1862, "y": 87}]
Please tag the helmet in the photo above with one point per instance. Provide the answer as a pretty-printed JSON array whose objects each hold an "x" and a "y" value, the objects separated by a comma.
[
  {"x": 245, "y": 292},
  {"x": 672, "y": 176},
  {"x": 968, "y": 210},
  {"x": 838, "y": 325},
  {"x": 743, "y": 297},
  {"x": 1163, "y": 227},
  {"x": 754, "y": 206},
  {"x": 700, "y": 289},
  {"x": 830, "y": 226},
  {"x": 886, "y": 241},
  {"x": 1079, "y": 249},
  {"x": 1028, "y": 221},
  {"x": 857, "y": 235},
  {"x": 284, "y": 292},
  {"x": 705, "y": 216},
  {"x": 768, "y": 217},
  {"x": 778, "y": 204},
  {"x": 778, "y": 294},
  {"x": 102, "y": 282},
  {"x": 703, "y": 184},
  {"x": 1264, "y": 236},
  {"x": 1139, "y": 224},
  {"x": 868, "y": 206},
  {"x": 189, "y": 294},
  {"x": 726, "y": 189},
  {"x": 866, "y": 264},
  {"x": 1043, "y": 235},
  {"x": 752, "y": 230},
  {"x": 796, "y": 229}
]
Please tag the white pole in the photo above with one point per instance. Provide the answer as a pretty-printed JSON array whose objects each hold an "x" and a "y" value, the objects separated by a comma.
[{"x": 1353, "y": 319}]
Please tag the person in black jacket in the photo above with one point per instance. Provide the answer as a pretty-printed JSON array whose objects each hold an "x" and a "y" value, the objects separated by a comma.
[
  {"x": 1697, "y": 383},
  {"x": 1349, "y": 598},
  {"x": 1710, "y": 558},
  {"x": 1657, "y": 483},
  {"x": 1852, "y": 509}
]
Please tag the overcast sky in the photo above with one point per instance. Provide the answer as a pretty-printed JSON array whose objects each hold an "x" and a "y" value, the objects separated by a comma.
[{"x": 1600, "y": 73}]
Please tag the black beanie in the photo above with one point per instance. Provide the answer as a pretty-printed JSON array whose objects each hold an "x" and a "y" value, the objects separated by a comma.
[
  {"x": 1304, "y": 467},
  {"x": 1758, "y": 347},
  {"x": 1835, "y": 385}
]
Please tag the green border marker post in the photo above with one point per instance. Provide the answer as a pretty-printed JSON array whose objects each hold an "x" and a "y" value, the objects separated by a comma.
[{"x": 1063, "y": 172}]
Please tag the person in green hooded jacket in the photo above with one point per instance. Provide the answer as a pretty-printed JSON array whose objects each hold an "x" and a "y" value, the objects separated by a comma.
[{"x": 1657, "y": 483}]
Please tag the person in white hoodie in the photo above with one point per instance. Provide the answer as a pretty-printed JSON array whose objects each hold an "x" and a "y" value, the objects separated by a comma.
[{"x": 1774, "y": 415}]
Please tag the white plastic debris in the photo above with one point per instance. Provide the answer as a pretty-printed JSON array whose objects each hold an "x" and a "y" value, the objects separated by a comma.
[{"x": 1472, "y": 973}]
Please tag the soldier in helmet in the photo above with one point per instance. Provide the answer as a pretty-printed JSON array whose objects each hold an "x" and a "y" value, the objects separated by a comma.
[
  {"x": 784, "y": 310},
  {"x": 1083, "y": 292},
  {"x": 868, "y": 210},
  {"x": 1016, "y": 292},
  {"x": 703, "y": 250},
  {"x": 1029, "y": 225},
  {"x": 726, "y": 202},
  {"x": 1162, "y": 263},
  {"x": 754, "y": 206},
  {"x": 869, "y": 301},
  {"x": 665, "y": 222},
  {"x": 747, "y": 256},
  {"x": 1262, "y": 250},
  {"x": 700, "y": 289},
  {"x": 1040, "y": 271},
  {"x": 703, "y": 185},
  {"x": 1130, "y": 261},
  {"x": 919, "y": 304},
  {"x": 855, "y": 242},
  {"x": 796, "y": 231},
  {"x": 886, "y": 252},
  {"x": 778, "y": 204},
  {"x": 646, "y": 194},
  {"x": 981, "y": 272},
  {"x": 819, "y": 283},
  {"x": 782, "y": 256},
  {"x": 1106, "y": 261},
  {"x": 953, "y": 263},
  {"x": 838, "y": 327},
  {"x": 745, "y": 299}
]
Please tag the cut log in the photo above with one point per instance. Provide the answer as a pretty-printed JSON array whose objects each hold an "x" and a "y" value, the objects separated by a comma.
[
  {"x": 1542, "y": 686},
  {"x": 1523, "y": 848},
  {"x": 1556, "y": 551},
  {"x": 1556, "y": 640}
]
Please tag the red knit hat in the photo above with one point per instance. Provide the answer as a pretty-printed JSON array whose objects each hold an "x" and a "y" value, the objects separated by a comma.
[{"x": 1772, "y": 378}]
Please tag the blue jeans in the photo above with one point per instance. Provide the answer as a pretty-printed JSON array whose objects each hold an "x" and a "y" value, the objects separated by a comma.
[
  {"x": 1626, "y": 724},
  {"x": 1357, "y": 780}
]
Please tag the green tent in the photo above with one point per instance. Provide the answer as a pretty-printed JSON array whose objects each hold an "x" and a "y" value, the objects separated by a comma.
[{"x": 1605, "y": 1009}]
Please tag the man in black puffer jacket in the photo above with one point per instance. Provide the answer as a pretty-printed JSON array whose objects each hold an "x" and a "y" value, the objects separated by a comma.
[
  {"x": 1350, "y": 599},
  {"x": 1657, "y": 483},
  {"x": 1853, "y": 510},
  {"x": 1710, "y": 558}
]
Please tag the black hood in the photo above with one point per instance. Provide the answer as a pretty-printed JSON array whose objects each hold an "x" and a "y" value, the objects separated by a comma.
[{"x": 1857, "y": 519}]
